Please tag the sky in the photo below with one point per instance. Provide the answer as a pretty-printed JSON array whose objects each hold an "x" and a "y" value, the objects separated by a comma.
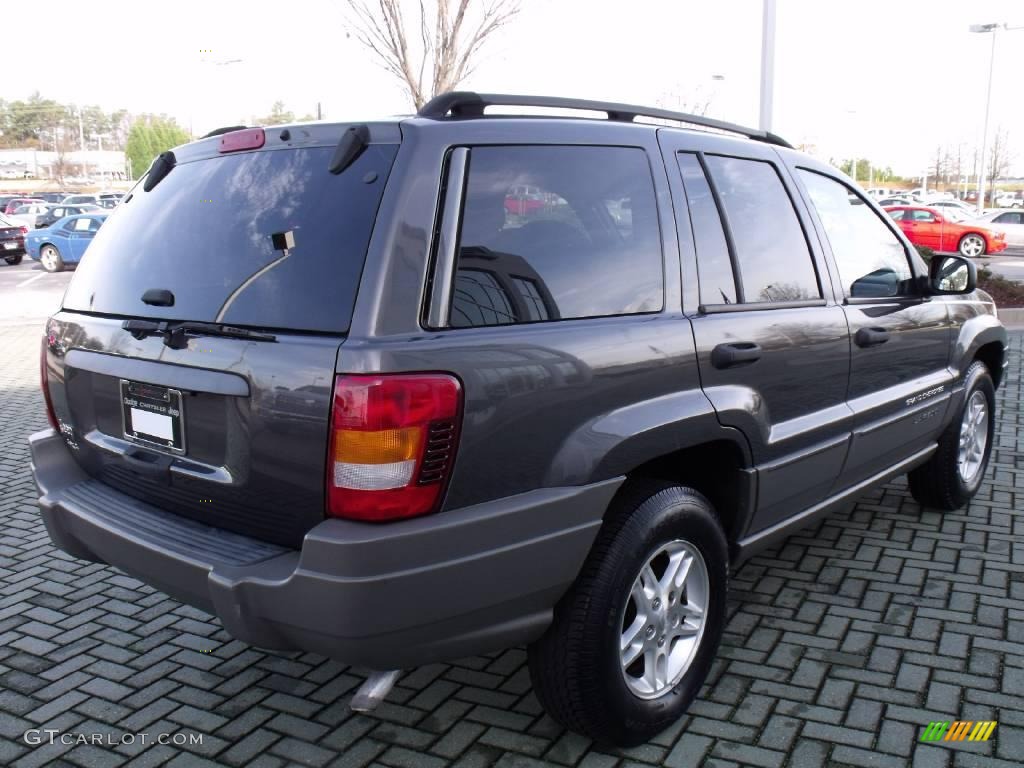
[{"x": 885, "y": 79}]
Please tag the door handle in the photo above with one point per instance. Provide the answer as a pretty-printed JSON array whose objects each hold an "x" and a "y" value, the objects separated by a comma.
[
  {"x": 870, "y": 337},
  {"x": 738, "y": 353}
]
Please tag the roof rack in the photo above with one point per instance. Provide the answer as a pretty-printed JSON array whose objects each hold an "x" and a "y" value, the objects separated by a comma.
[{"x": 470, "y": 104}]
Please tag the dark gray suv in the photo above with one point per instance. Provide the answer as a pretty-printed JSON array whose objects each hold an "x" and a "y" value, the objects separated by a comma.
[{"x": 404, "y": 391}]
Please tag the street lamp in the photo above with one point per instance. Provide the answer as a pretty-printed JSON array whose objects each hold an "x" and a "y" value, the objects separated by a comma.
[{"x": 985, "y": 29}]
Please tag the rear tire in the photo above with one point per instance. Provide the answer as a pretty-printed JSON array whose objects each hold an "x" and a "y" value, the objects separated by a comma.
[
  {"x": 590, "y": 669},
  {"x": 13, "y": 260},
  {"x": 952, "y": 476},
  {"x": 50, "y": 258}
]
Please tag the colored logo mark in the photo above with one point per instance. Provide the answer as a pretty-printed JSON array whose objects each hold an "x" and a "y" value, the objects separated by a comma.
[{"x": 959, "y": 730}]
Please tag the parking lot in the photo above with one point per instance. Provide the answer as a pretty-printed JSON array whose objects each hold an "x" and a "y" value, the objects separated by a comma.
[
  {"x": 843, "y": 643},
  {"x": 28, "y": 291},
  {"x": 1009, "y": 263}
]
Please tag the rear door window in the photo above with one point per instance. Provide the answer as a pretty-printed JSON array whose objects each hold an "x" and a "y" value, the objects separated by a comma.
[
  {"x": 714, "y": 267},
  {"x": 773, "y": 258},
  {"x": 557, "y": 232},
  {"x": 206, "y": 233}
]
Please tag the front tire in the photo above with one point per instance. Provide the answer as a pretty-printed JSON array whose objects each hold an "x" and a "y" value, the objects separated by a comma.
[
  {"x": 633, "y": 639},
  {"x": 51, "y": 259},
  {"x": 954, "y": 473},
  {"x": 972, "y": 245}
]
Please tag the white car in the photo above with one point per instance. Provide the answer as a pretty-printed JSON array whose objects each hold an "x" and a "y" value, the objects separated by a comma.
[
  {"x": 1008, "y": 200},
  {"x": 79, "y": 199},
  {"x": 1011, "y": 222},
  {"x": 945, "y": 205},
  {"x": 29, "y": 214}
]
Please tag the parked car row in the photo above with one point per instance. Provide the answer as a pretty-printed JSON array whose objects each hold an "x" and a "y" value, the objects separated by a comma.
[
  {"x": 54, "y": 235},
  {"x": 996, "y": 199},
  {"x": 64, "y": 242},
  {"x": 10, "y": 203}
]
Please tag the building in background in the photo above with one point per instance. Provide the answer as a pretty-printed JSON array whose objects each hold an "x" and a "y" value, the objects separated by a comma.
[{"x": 75, "y": 167}]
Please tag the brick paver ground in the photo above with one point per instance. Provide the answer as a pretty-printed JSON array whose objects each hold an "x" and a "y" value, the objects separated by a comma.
[{"x": 842, "y": 644}]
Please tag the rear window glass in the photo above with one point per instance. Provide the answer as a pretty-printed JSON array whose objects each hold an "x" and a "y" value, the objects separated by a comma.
[
  {"x": 555, "y": 233},
  {"x": 205, "y": 233}
]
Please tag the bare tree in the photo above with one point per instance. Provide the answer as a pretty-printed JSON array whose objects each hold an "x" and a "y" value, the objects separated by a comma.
[
  {"x": 940, "y": 165},
  {"x": 443, "y": 47},
  {"x": 697, "y": 103},
  {"x": 999, "y": 158},
  {"x": 61, "y": 167}
]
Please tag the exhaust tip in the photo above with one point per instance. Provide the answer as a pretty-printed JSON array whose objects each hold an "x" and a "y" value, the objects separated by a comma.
[{"x": 372, "y": 692}]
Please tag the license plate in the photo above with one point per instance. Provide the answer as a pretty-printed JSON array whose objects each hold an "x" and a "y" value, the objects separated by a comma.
[
  {"x": 10, "y": 246},
  {"x": 152, "y": 414}
]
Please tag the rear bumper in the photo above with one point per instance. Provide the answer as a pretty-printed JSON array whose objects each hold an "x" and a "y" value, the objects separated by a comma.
[{"x": 383, "y": 596}]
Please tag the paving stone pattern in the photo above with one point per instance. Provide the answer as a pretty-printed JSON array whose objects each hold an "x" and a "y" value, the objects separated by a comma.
[{"x": 842, "y": 645}]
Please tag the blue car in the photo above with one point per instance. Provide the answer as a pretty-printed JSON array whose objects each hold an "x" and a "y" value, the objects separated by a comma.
[{"x": 64, "y": 241}]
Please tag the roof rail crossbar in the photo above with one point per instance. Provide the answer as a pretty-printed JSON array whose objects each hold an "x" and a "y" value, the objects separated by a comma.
[{"x": 470, "y": 104}]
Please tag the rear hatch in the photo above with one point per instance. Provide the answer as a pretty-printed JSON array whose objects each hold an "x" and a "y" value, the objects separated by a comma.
[{"x": 192, "y": 362}]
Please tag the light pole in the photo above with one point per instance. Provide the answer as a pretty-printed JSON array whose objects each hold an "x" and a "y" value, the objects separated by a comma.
[
  {"x": 985, "y": 29},
  {"x": 767, "y": 64}
]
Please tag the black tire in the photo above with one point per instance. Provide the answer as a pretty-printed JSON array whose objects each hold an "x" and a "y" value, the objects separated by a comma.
[
  {"x": 57, "y": 263},
  {"x": 575, "y": 666},
  {"x": 13, "y": 260},
  {"x": 937, "y": 483}
]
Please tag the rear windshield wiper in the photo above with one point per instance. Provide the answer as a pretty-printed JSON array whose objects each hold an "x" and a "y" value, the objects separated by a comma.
[{"x": 176, "y": 334}]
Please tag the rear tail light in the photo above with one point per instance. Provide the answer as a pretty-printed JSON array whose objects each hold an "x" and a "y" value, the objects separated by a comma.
[
  {"x": 44, "y": 381},
  {"x": 24, "y": 230},
  {"x": 393, "y": 440},
  {"x": 247, "y": 138}
]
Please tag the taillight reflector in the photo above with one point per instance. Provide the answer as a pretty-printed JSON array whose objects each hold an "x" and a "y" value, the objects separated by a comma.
[
  {"x": 44, "y": 381},
  {"x": 393, "y": 440},
  {"x": 249, "y": 138}
]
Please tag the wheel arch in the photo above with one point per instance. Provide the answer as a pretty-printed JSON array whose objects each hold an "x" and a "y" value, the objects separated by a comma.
[
  {"x": 983, "y": 338},
  {"x": 718, "y": 469},
  {"x": 993, "y": 355}
]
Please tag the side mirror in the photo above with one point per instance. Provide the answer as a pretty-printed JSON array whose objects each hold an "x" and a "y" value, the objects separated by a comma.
[{"x": 952, "y": 275}]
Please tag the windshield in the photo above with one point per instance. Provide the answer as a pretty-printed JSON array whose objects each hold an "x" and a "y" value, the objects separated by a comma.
[{"x": 268, "y": 239}]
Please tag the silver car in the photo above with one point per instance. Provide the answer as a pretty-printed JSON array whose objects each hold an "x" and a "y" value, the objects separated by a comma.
[{"x": 1012, "y": 222}]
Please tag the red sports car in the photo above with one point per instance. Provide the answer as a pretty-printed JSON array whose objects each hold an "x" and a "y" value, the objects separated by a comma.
[{"x": 929, "y": 227}]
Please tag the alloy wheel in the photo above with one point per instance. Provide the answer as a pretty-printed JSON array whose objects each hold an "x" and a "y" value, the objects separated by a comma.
[
  {"x": 973, "y": 438},
  {"x": 972, "y": 245},
  {"x": 663, "y": 619},
  {"x": 49, "y": 259}
]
